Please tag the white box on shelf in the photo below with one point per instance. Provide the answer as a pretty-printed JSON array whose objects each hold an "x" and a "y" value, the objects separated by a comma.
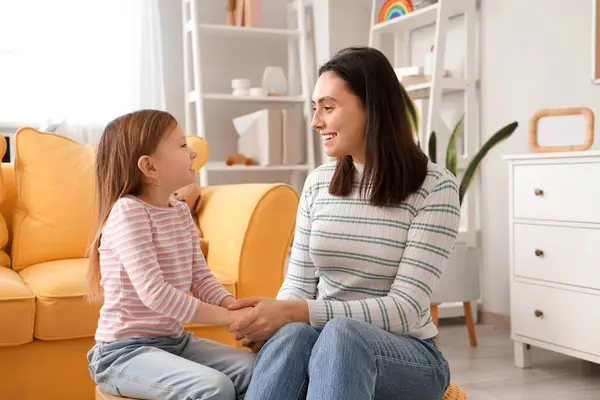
[
  {"x": 292, "y": 137},
  {"x": 414, "y": 70},
  {"x": 260, "y": 136}
]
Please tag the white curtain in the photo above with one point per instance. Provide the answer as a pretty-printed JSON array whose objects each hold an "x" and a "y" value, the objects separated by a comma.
[{"x": 79, "y": 63}]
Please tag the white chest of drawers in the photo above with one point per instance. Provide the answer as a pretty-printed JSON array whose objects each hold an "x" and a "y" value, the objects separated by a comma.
[{"x": 554, "y": 250}]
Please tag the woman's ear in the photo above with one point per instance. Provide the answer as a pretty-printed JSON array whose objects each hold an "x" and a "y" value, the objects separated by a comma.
[{"x": 147, "y": 168}]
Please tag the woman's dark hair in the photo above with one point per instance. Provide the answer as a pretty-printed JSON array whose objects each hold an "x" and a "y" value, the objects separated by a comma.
[{"x": 395, "y": 166}]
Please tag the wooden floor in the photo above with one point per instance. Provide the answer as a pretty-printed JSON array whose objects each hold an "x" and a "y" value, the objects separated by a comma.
[{"x": 488, "y": 372}]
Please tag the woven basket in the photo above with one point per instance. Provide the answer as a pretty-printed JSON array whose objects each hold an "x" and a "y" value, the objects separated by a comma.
[{"x": 454, "y": 392}]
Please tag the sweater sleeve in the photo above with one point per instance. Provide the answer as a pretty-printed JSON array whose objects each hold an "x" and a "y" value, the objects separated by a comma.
[
  {"x": 301, "y": 282},
  {"x": 130, "y": 233},
  {"x": 430, "y": 241},
  {"x": 204, "y": 284}
]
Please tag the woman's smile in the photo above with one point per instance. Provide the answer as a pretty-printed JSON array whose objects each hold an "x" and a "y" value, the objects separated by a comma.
[{"x": 328, "y": 137}]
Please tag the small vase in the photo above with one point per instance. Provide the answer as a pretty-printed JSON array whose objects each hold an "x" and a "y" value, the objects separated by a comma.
[{"x": 274, "y": 81}]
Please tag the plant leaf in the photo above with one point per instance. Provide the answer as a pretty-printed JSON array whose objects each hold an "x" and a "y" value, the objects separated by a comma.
[
  {"x": 451, "y": 154},
  {"x": 432, "y": 145},
  {"x": 473, "y": 166}
]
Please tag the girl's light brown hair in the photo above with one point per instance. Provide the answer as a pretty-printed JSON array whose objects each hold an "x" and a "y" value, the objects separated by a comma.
[{"x": 123, "y": 142}]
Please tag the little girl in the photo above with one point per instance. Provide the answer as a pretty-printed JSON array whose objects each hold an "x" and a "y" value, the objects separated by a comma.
[{"x": 145, "y": 259}]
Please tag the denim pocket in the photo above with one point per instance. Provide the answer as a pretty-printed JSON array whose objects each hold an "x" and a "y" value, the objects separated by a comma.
[
  {"x": 108, "y": 387},
  {"x": 93, "y": 357}
]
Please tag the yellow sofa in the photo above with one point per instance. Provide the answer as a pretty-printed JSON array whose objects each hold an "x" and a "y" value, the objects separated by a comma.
[{"x": 46, "y": 326}]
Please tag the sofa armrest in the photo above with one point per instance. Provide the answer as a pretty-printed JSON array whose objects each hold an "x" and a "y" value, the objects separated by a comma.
[{"x": 249, "y": 228}]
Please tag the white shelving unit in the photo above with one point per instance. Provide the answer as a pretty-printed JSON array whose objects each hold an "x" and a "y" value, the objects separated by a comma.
[
  {"x": 195, "y": 35},
  {"x": 429, "y": 96}
]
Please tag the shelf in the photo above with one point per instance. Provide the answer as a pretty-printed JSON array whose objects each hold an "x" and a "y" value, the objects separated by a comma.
[
  {"x": 221, "y": 166},
  {"x": 449, "y": 85},
  {"x": 417, "y": 19},
  {"x": 258, "y": 99},
  {"x": 242, "y": 31},
  {"x": 293, "y": 5}
]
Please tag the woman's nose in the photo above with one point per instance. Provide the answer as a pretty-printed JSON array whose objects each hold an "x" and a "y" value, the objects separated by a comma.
[{"x": 317, "y": 122}]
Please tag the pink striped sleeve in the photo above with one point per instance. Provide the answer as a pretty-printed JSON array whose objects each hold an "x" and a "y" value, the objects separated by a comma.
[
  {"x": 204, "y": 284},
  {"x": 128, "y": 230}
]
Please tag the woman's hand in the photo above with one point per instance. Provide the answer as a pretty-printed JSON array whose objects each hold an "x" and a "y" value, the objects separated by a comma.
[
  {"x": 266, "y": 318},
  {"x": 254, "y": 346}
]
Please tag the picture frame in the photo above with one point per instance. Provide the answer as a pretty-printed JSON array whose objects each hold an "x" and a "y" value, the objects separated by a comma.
[
  {"x": 561, "y": 130},
  {"x": 596, "y": 42}
]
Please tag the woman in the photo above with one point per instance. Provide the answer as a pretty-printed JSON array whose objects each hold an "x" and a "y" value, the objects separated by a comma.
[{"x": 374, "y": 231}]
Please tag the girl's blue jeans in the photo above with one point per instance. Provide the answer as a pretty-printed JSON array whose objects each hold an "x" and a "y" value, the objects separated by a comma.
[{"x": 171, "y": 368}]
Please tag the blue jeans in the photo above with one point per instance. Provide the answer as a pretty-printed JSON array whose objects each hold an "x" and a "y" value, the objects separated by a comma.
[
  {"x": 348, "y": 360},
  {"x": 171, "y": 368}
]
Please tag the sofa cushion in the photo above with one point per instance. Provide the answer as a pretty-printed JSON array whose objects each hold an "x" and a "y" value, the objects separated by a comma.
[
  {"x": 55, "y": 212},
  {"x": 17, "y": 309},
  {"x": 62, "y": 311}
]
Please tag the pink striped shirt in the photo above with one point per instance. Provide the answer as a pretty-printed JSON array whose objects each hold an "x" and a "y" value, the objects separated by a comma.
[{"x": 150, "y": 260}]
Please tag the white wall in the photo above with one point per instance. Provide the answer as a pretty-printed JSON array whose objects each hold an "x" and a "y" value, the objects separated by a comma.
[
  {"x": 534, "y": 54},
  {"x": 171, "y": 33}
]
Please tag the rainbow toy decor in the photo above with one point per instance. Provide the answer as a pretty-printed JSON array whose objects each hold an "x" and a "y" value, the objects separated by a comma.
[{"x": 394, "y": 8}]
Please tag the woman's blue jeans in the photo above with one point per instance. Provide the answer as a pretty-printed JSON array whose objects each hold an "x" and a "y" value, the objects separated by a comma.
[{"x": 347, "y": 359}]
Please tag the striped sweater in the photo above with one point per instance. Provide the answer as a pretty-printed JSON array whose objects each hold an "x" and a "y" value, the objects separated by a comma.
[
  {"x": 150, "y": 259},
  {"x": 375, "y": 264}
]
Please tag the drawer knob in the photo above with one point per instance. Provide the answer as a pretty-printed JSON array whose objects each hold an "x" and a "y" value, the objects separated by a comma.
[
  {"x": 538, "y": 313},
  {"x": 539, "y": 253},
  {"x": 539, "y": 192}
]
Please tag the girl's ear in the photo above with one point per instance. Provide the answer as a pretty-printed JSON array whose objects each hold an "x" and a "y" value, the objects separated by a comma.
[{"x": 146, "y": 166}]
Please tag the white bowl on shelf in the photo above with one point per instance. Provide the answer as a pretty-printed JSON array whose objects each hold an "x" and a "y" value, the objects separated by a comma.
[{"x": 240, "y": 86}]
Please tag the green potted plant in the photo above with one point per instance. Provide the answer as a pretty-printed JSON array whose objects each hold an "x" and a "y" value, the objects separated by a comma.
[
  {"x": 461, "y": 279},
  {"x": 451, "y": 152},
  {"x": 473, "y": 166}
]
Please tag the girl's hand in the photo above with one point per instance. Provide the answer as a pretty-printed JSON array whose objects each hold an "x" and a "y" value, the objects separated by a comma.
[
  {"x": 236, "y": 315},
  {"x": 227, "y": 301}
]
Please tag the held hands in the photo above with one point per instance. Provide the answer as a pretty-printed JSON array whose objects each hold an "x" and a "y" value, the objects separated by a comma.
[
  {"x": 261, "y": 317},
  {"x": 236, "y": 315},
  {"x": 265, "y": 318}
]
